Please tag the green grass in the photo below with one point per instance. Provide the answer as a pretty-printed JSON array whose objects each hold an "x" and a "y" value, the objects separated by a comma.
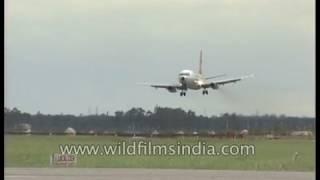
[{"x": 34, "y": 151}]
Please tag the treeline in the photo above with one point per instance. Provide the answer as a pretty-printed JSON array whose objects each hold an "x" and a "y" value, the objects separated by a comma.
[{"x": 162, "y": 119}]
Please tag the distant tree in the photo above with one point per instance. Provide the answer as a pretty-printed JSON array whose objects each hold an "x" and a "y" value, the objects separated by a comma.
[
  {"x": 6, "y": 110},
  {"x": 15, "y": 110},
  {"x": 162, "y": 119},
  {"x": 119, "y": 114}
]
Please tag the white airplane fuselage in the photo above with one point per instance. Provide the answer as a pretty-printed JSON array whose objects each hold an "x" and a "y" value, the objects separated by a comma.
[{"x": 191, "y": 80}]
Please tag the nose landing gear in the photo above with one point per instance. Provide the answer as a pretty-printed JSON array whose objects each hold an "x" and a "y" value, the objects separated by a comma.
[
  {"x": 205, "y": 92},
  {"x": 182, "y": 93}
]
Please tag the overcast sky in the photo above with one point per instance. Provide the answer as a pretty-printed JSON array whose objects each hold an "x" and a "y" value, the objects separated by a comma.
[{"x": 69, "y": 56}]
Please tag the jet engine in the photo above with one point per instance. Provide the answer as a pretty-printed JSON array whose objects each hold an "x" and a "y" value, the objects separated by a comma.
[
  {"x": 214, "y": 86},
  {"x": 172, "y": 89}
]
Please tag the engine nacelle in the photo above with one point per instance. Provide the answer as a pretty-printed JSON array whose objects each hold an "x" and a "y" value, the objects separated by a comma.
[
  {"x": 214, "y": 86},
  {"x": 172, "y": 89}
]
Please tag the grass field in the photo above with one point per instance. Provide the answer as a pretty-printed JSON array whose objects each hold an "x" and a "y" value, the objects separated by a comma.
[{"x": 34, "y": 151}]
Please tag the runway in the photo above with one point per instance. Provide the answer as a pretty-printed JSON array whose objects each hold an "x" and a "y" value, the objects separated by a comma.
[{"x": 147, "y": 174}]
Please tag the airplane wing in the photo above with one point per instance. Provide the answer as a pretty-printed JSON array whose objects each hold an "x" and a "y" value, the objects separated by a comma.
[
  {"x": 169, "y": 87},
  {"x": 216, "y": 76},
  {"x": 215, "y": 84}
]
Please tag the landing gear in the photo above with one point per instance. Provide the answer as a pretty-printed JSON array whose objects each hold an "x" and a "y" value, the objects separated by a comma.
[
  {"x": 205, "y": 92},
  {"x": 182, "y": 93}
]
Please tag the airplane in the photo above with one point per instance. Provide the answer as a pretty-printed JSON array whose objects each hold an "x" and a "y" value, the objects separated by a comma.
[{"x": 188, "y": 79}]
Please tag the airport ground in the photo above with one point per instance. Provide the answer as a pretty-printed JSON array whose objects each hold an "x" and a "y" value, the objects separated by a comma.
[
  {"x": 147, "y": 174},
  {"x": 270, "y": 155}
]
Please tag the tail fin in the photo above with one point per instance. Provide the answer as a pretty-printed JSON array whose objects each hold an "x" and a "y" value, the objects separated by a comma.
[{"x": 200, "y": 63}]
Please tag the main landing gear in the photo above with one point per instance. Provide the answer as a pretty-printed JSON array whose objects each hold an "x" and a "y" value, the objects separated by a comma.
[
  {"x": 205, "y": 92},
  {"x": 182, "y": 93}
]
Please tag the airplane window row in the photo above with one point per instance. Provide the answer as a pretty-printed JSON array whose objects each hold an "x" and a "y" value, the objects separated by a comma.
[{"x": 184, "y": 74}]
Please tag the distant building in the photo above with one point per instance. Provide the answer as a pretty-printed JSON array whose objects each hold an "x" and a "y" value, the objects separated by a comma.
[
  {"x": 92, "y": 132},
  {"x": 155, "y": 133},
  {"x": 211, "y": 133},
  {"x": 271, "y": 136},
  {"x": 70, "y": 131},
  {"x": 301, "y": 133},
  {"x": 244, "y": 132},
  {"x": 180, "y": 132},
  {"x": 23, "y": 128}
]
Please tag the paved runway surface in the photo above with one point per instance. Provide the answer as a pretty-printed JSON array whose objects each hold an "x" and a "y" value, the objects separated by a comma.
[{"x": 154, "y": 174}]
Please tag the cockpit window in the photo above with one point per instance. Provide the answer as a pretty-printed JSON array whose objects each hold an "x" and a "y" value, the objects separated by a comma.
[{"x": 185, "y": 74}]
